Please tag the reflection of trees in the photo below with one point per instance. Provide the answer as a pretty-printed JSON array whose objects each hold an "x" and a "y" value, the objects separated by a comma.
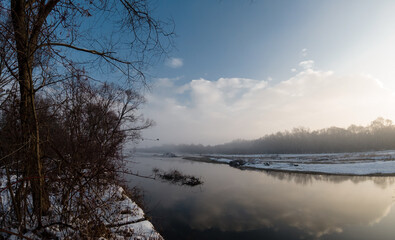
[{"x": 307, "y": 178}]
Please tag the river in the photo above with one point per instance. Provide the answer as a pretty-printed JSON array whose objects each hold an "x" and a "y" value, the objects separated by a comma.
[{"x": 248, "y": 204}]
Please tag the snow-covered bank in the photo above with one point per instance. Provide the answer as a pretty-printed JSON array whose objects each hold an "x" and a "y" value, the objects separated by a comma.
[
  {"x": 126, "y": 219},
  {"x": 122, "y": 217},
  {"x": 369, "y": 168},
  {"x": 361, "y": 163}
]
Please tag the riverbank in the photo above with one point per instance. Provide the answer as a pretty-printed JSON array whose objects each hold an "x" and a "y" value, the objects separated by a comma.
[
  {"x": 378, "y": 163},
  {"x": 119, "y": 217}
]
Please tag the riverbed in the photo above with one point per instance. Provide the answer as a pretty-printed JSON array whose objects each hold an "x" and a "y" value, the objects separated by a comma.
[{"x": 250, "y": 204}]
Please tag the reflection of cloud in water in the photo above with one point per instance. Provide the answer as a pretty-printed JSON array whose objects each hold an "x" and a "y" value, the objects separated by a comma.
[
  {"x": 308, "y": 221},
  {"x": 378, "y": 220},
  {"x": 315, "y": 204}
]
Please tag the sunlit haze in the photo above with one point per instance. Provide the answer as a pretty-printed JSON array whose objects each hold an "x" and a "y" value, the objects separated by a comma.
[{"x": 243, "y": 69}]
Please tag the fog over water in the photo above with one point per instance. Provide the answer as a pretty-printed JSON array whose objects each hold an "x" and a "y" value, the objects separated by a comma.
[
  {"x": 218, "y": 111},
  {"x": 378, "y": 135}
]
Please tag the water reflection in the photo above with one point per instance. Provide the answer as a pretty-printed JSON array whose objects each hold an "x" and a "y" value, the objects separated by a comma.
[
  {"x": 382, "y": 182},
  {"x": 264, "y": 203}
]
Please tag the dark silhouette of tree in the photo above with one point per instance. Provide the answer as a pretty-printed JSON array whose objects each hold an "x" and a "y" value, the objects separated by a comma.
[{"x": 43, "y": 41}]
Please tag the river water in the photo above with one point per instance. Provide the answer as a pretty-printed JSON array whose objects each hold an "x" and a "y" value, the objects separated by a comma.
[{"x": 248, "y": 204}]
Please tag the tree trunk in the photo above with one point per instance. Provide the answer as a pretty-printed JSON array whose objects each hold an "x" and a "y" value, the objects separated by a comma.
[
  {"x": 30, "y": 129},
  {"x": 25, "y": 46}
]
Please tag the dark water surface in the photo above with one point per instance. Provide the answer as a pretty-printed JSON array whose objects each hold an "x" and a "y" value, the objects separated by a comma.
[{"x": 244, "y": 204}]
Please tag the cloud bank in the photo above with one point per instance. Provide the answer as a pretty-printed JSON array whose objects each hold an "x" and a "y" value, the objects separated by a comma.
[{"x": 217, "y": 111}]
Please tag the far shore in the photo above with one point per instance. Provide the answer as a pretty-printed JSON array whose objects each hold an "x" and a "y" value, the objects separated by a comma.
[{"x": 380, "y": 163}]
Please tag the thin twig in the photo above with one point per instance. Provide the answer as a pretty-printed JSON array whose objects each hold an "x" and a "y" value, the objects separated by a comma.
[{"x": 15, "y": 234}]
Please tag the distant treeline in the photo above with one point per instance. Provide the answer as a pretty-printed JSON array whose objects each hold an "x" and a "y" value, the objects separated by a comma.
[{"x": 379, "y": 135}]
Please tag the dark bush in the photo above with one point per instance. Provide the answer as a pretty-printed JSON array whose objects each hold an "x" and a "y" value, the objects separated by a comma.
[
  {"x": 83, "y": 128},
  {"x": 175, "y": 176}
]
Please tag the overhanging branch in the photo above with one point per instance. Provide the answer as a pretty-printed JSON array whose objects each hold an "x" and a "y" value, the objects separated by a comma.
[{"x": 91, "y": 51}]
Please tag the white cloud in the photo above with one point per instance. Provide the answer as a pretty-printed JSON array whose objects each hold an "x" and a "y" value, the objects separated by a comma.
[
  {"x": 304, "y": 52},
  {"x": 309, "y": 64},
  {"x": 174, "y": 62},
  {"x": 212, "y": 112}
]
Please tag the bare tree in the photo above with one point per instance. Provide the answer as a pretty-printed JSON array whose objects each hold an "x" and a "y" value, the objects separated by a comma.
[{"x": 42, "y": 41}]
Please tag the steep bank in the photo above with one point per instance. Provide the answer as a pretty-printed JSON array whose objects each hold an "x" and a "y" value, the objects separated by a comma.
[{"x": 118, "y": 217}]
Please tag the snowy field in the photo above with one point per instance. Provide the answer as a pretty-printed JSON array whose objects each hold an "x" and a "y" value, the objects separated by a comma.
[{"x": 360, "y": 163}]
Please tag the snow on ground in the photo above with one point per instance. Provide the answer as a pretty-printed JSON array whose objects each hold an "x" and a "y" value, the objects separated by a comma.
[
  {"x": 360, "y": 168},
  {"x": 123, "y": 216},
  {"x": 127, "y": 217},
  {"x": 224, "y": 160},
  {"x": 361, "y": 163}
]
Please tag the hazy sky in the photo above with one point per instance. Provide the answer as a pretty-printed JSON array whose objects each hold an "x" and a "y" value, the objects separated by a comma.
[{"x": 243, "y": 69}]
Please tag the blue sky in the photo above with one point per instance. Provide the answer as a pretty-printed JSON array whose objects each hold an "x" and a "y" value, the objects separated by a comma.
[
  {"x": 257, "y": 39},
  {"x": 233, "y": 38},
  {"x": 271, "y": 66}
]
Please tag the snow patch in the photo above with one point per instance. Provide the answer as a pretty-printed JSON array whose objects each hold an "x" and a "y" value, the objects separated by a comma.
[{"x": 360, "y": 163}]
